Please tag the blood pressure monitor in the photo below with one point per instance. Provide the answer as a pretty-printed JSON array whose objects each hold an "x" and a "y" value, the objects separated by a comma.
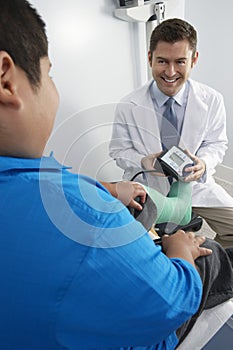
[{"x": 174, "y": 162}]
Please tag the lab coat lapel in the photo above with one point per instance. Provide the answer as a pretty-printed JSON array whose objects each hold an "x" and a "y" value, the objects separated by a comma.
[
  {"x": 195, "y": 120},
  {"x": 143, "y": 116}
]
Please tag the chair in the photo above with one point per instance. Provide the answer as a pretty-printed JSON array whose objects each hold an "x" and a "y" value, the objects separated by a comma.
[{"x": 213, "y": 329}]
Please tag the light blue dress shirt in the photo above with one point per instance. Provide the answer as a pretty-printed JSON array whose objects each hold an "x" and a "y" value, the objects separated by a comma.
[{"x": 159, "y": 99}]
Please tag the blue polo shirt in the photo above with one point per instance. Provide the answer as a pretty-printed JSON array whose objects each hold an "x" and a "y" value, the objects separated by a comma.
[{"x": 78, "y": 272}]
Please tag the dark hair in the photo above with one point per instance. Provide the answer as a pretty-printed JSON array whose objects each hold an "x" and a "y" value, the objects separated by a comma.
[
  {"x": 173, "y": 30},
  {"x": 23, "y": 37}
]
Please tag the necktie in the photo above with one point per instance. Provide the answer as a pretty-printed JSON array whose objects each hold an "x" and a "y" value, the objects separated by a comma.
[{"x": 169, "y": 133}]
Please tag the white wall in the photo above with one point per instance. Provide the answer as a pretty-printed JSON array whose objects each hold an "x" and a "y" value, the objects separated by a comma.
[
  {"x": 91, "y": 54},
  {"x": 214, "y": 23},
  {"x": 96, "y": 59}
]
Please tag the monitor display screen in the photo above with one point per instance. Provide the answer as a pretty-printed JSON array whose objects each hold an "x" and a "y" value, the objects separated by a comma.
[{"x": 175, "y": 158}]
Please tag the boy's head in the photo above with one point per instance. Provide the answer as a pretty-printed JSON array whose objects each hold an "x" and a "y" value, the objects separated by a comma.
[
  {"x": 28, "y": 97},
  {"x": 22, "y": 35}
]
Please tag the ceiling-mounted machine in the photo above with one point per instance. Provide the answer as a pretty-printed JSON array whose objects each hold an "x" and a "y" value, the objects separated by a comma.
[{"x": 141, "y": 11}]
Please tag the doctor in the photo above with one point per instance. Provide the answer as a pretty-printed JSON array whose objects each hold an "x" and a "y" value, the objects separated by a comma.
[{"x": 201, "y": 122}]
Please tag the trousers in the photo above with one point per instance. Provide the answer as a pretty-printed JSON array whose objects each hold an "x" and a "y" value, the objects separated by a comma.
[{"x": 221, "y": 221}]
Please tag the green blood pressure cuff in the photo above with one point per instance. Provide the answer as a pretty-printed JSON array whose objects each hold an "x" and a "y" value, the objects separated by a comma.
[{"x": 175, "y": 207}]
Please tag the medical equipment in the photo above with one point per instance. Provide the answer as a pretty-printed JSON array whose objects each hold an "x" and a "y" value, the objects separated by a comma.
[
  {"x": 174, "y": 162},
  {"x": 141, "y": 11}
]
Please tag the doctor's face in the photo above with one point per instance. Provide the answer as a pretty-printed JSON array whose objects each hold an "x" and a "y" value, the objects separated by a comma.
[{"x": 171, "y": 65}]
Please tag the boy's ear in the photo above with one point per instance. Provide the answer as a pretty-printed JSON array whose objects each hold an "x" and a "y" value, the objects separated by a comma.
[{"x": 8, "y": 82}]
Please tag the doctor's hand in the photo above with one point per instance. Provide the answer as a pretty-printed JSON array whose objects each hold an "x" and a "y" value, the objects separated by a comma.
[
  {"x": 148, "y": 163},
  {"x": 126, "y": 192},
  {"x": 197, "y": 170}
]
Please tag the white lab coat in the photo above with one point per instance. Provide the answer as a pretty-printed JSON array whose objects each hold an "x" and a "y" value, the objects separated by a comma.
[{"x": 136, "y": 134}]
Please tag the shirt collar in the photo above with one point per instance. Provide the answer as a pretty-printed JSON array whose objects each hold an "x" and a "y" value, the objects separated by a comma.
[
  {"x": 161, "y": 98},
  {"x": 44, "y": 163}
]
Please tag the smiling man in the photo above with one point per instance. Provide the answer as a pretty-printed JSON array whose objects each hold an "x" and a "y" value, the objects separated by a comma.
[
  {"x": 171, "y": 65},
  {"x": 141, "y": 129}
]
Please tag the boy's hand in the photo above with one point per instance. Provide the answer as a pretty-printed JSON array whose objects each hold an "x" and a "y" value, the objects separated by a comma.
[
  {"x": 184, "y": 245},
  {"x": 126, "y": 192}
]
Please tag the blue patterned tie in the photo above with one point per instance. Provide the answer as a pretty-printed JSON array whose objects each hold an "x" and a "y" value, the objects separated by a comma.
[{"x": 169, "y": 133}]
